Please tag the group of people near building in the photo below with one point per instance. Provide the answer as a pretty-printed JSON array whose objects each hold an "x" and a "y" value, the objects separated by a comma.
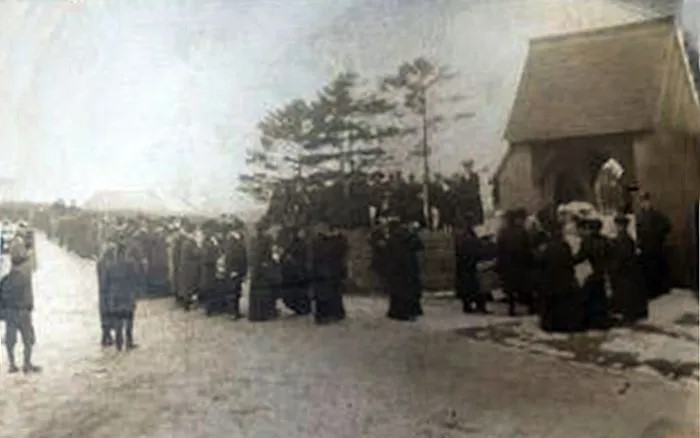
[{"x": 607, "y": 279}]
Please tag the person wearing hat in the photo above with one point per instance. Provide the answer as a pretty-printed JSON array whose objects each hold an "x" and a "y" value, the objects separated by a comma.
[
  {"x": 188, "y": 271},
  {"x": 561, "y": 306},
  {"x": 119, "y": 283},
  {"x": 210, "y": 252},
  {"x": 469, "y": 194},
  {"x": 629, "y": 296},
  {"x": 105, "y": 258},
  {"x": 515, "y": 260},
  {"x": 653, "y": 228},
  {"x": 402, "y": 273},
  {"x": 468, "y": 253},
  {"x": 294, "y": 269},
  {"x": 235, "y": 268},
  {"x": 18, "y": 303},
  {"x": 262, "y": 300},
  {"x": 594, "y": 250},
  {"x": 328, "y": 272}
]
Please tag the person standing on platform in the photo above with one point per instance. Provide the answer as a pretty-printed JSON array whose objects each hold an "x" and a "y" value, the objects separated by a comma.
[
  {"x": 469, "y": 195},
  {"x": 652, "y": 229}
]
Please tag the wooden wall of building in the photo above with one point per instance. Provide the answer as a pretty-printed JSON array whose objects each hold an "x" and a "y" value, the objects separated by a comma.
[
  {"x": 668, "y": 167},
  {"x": 515, "y": 180},
  {"x": 678, "y": 106}
]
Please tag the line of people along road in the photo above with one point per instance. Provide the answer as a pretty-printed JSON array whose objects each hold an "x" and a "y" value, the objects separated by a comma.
[{"x": 305, "y": 267}]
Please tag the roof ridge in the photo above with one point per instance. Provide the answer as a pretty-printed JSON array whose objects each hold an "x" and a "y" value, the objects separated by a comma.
[{"x": 671, "y": 19}]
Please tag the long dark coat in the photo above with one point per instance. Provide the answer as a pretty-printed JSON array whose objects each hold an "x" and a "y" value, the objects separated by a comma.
[
  {"x": 189, "y": 269},
  {"x": 652, "y": 229},
  {"x": 120, "y": 287},
  {"x": 264, "y": 281},
  {"x": 562, "y": 308},
  {"x": 467, "y": 256},
  {"x": 403, "y": 274},
  {"x": 210, "y": 253},
  {"x": 595, "y": 249},
  {"x": 328, "y": 261},
  {"x": 629, "y": 294},
  {"x": 235, "y": 262},
  {"x": 515, "y": 262},
  {"x": 295, "y": 276}
]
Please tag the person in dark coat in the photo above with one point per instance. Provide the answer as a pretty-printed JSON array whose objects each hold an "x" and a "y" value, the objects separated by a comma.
[
  {"x": 562, "y": 306},
  {"x": 210, "y": 253},
  {"x": 262, "y": 298},
  {"x": 121, "y": 291},
  {"x": 629, "y": 296},
  {"x": 515, "y": 261},
  {"x": 467, "y": 257},
  {"x": 236, "y": 268},
  {"x": 652, "y": 229},
  {"x": 295, "y": 275},
  {"x": 594, "y": 249},
  {"x": 328, "y": 261},
  {"x": 189, "y": 269},
  {"x": 106, "y": 257},
  {"x": 469, "y": 196},
  {"x": 403, "y": 273},
  {"x": 17, "y": 297}
]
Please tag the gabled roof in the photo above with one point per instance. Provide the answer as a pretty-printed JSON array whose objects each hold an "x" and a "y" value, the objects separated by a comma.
[{"x": 595, "y": 82}]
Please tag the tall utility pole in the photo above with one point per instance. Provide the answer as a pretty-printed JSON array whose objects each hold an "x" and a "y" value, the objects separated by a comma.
[
  {"x": 425, "y": 150},
  {"x": 426, "y": 163}
]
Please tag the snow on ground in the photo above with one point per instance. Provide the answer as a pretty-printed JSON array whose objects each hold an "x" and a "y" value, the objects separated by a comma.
[{"x": 368, "y": 376}]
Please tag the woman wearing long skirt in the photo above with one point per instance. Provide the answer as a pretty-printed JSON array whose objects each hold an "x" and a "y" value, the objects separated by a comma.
[
  {"x": 295, "y": 276},
  {"x": 403, "y": 274},
  {"x": 629, "y": 297},
  {"x": 594, "y": 249},
  {"x": 562, "y": 305},
  {"x": 329, "y": 254}
]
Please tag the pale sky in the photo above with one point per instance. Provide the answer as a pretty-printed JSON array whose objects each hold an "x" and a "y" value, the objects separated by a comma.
[{"x": 166, "y": 94}]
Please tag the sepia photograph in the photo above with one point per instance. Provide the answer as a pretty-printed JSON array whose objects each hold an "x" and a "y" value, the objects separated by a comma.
[{"x": 350, "y": 218}]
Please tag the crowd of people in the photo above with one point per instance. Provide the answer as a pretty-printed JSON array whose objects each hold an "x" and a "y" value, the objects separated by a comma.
[
  {"x": 361, "y": 199},
  {"x": 303, "y": 264},
  {"x": 539, "y": 268}
]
